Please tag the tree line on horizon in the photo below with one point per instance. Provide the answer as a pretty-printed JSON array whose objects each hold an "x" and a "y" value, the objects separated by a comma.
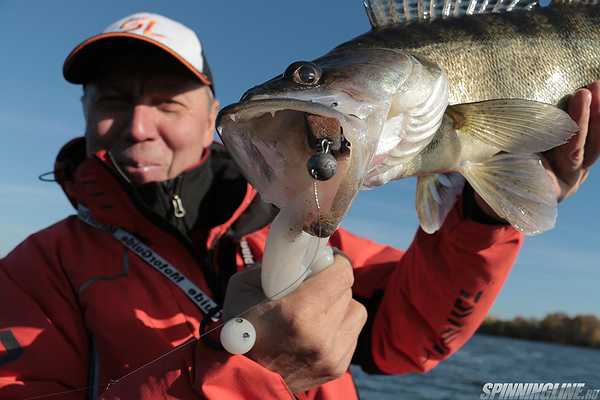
[{"x": 580, "y": 330}]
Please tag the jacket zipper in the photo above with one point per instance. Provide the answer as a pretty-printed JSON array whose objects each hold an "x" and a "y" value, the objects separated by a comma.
[
  {"x": 172, "y": 193},
  {"x": 202, "y": 259},
  {"x": 178, "y": 209},
  {"x": 150, "y": 216}
]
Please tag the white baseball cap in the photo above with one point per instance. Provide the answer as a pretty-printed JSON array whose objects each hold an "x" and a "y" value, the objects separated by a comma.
[{"x": 175, "y": 38}]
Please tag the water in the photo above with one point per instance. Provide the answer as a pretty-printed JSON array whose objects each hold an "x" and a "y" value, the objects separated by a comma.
[{"x": 486, "y": 359}]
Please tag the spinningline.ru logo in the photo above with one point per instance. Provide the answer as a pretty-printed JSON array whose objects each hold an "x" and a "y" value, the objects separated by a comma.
[{"x": 535, "y": 391}]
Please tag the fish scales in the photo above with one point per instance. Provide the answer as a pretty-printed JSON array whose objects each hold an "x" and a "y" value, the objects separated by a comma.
[
  {"x": 389, "y": 91},
  {"x": 538, "y": 55},
  {"x": 376, "y": 109}
]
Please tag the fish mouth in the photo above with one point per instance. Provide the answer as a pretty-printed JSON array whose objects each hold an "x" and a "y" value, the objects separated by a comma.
[
  {"x": 274, "y": 141},
  {"x": 253, "y": 108}
]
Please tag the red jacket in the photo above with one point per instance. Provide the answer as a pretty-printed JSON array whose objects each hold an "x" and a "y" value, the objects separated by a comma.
[{"x": 75, "y": 302}]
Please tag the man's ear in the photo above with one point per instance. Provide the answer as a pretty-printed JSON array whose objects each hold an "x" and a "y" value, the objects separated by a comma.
[{"x": 214, "y": 110}]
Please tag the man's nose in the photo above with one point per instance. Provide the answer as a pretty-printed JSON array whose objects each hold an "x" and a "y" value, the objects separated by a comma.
[{"x": 142, "y": 126}]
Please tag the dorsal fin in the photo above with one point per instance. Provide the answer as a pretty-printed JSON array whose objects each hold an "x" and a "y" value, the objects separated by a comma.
[
  {"x": 583, "y": 2},
  {"x": 384, "y": 13}
]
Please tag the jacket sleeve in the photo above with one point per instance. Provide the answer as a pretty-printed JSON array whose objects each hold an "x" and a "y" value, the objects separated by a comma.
[
  {"x": 197, "y": 371},
  {"x": 220, "y": 375},
  {"x": 43, "y": 346},
  {"x": 426, "y": 303}
]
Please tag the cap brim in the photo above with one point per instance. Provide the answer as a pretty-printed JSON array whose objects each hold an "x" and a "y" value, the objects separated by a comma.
[{"x": 80, "y": 64}]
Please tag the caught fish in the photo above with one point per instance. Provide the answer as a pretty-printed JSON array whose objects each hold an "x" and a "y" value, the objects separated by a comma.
[
  {"x": 493, "y": 63},
  {"x": 444, "y": 91}
]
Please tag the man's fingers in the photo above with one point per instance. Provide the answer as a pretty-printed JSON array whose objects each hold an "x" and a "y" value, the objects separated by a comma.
[
  {"x": 592, "y": 145},
  {"x": 243, "y": 292},
  {"x": 336, "y": 278},
  {"x": 354, "y": 320},
  {"x": 352, "y": 325},
  {"x": 326, "y": 290},
  {"x": 346, "y": 338},
  {"x": 568, "y": 157}
]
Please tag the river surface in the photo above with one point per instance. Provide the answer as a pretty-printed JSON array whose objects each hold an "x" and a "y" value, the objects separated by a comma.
[{"x": 487, "y": 359}]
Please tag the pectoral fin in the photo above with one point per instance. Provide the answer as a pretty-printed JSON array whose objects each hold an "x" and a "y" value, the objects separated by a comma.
[
  {"x": 436, "y": 195},
  {"x": 517, "y": 188},
  {"x": 514, "y": 125}
]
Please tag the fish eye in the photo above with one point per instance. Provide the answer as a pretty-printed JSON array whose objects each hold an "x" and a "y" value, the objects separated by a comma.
[{"x": 303, "y": 73}]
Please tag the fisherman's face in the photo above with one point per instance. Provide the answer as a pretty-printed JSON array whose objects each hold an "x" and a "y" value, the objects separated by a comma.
[{"x": 154, "y": 119}]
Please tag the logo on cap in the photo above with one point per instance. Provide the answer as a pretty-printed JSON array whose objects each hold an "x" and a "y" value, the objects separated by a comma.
[{"x": 140, "y": 23}]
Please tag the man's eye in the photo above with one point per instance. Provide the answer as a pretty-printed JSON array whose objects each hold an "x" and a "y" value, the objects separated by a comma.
[{"x": 169, "y": 105}]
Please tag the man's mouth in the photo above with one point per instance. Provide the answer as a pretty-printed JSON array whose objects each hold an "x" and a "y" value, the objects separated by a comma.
[
  {"x": 137, "y": 165},
  {"x": 140, "y": 167},
  {"x": 131, "y": 161},
  {"x": 138, "y": 171}
]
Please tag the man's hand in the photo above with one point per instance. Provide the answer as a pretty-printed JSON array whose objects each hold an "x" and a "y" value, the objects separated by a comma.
[
  {"x": 568, "y": 165},
  {"x": 308, "y": 336}
]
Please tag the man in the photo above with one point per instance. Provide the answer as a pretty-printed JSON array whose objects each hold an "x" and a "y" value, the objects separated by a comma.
[{"x": 96, "y": 305}]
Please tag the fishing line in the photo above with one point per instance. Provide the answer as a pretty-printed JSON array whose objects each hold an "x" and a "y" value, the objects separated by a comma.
[
  {"x": 112, "y": 382},
  {"x": 119, "y": 380},
  {"x": 316, "y": 193},
  {"x": 221, "y": 324},
  {"x": 44, "y": 396}
]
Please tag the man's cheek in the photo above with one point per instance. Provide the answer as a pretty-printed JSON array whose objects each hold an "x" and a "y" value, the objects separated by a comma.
[{"x": 101, "y": 135}]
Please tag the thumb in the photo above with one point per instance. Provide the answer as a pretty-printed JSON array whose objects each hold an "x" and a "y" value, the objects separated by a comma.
[
  {"x": 244, "y": 291},
  {"x": 568, "y": 157}
]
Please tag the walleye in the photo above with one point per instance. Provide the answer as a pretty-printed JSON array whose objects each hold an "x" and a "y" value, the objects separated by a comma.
[{"x": 438, "y": 90}]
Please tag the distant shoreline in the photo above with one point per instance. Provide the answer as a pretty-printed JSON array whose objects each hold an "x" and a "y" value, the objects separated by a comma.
[{"x": 580, "y": 330}]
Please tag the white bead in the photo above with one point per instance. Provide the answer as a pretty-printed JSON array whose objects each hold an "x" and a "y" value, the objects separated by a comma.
[{"x": 238, "y": 336}]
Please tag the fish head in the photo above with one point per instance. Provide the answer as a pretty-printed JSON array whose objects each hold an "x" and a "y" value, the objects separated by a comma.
[
  {"x": 353, "y": 80},
  {"x": 322, "y": 112}
]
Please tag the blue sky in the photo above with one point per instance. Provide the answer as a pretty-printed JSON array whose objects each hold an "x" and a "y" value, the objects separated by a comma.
[{"x": 246, "y": 43}]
